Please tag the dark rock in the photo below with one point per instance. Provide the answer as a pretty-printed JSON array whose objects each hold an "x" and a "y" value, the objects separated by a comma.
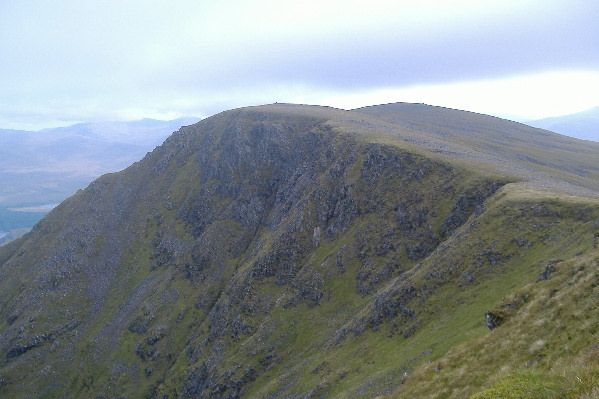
[
  {"x": 139, "y": 325},
  {"x": 467, "y": 277},
  {"x": 466, "y": 204},
  {"x": 547, "y": 272},
  {"x": 493, "y": 320},
  {"x": 549, "y": 268},
  {"x": 155, "y": 338},
  {"x": 19, "y": 350}
]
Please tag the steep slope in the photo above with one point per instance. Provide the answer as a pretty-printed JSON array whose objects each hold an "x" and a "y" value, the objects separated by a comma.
[
  {"x": 279, "y": 251},
  {"x": 545, "y": 347}
]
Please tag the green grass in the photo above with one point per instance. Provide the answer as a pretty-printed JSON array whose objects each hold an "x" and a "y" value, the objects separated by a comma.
[{"x": 525, "y": 384}]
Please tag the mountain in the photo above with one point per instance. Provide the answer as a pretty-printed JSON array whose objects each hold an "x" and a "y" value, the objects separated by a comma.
[
  {"x": 45, "y": 167},
  {"x": 51, "y": 164},
  {"x": 12, "y": 235},
  {"x": 583, "y": 125},
  {"x": 146, "y": 132},
  {"x": 287, "y": 251}
]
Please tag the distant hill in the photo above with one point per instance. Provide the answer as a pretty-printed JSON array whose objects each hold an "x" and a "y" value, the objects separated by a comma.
[
  {"x": 583, "y": 125},
  {"x": 47, "y": 166},
  {"x": 145, "y": 132},
  {"x": 289, "y": 251}
]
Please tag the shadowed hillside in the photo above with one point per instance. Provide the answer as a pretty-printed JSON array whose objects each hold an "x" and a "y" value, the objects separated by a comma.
[{"x": 294, "y": 251}]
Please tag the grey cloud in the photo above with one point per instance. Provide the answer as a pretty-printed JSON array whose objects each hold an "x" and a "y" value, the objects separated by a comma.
[{"x": 121, "y": 68}]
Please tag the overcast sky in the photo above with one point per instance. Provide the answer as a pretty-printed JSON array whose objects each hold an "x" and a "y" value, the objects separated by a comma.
[{"x": 68, "y": 61}]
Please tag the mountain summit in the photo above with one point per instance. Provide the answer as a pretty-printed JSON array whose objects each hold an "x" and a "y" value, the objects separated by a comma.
[{"x": 299, "y": 251}]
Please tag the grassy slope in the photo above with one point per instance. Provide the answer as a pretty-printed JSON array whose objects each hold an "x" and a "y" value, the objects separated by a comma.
[
  {"x": 545, "y": 348},
  {"x": 510, "y": 147}
]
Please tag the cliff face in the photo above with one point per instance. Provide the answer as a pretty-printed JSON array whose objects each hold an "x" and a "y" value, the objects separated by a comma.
[{"x": 269, "y": 252}]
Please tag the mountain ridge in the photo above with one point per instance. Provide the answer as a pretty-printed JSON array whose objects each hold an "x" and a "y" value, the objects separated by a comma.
[{"x": 283, "y": 250}]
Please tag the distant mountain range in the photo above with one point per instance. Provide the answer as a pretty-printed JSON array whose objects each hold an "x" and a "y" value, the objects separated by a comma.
[
  {"x": 582, "y": 125},
  {"x": 47, "y": 166}
]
